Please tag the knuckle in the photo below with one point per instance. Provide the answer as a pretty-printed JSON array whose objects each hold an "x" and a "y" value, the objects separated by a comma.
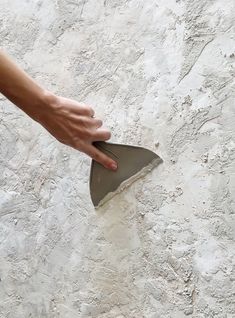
[
  {"x": 99, "y": 122},
  {"x": 88, "y": 133},
  {"x": 83, "y": 121},
  {"x": 88, "y": 110},
  {"x": 107, "y": 134},
  {"x": 96, "y": 156},
  {"x": 83, "y": 108}
]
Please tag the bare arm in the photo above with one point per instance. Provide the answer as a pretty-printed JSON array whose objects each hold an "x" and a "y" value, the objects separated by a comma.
[{"x": 68, "y": 121}]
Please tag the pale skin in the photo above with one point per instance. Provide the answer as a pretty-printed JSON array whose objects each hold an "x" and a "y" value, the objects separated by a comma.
[{"x": 72, "y": 123}]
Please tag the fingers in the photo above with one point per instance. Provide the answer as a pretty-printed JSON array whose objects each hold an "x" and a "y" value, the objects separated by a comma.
[
  {"x": 97, "y": 123},
  {"x": 84, "y": 110},
  {"x": 101, "y": 135},
  {"x": 88, "y": 122},
  {"x": 79, "y": 108},
  {"x": 94, "y": 125},
  {"x": 82, "y": 129},
  {"x": 90, "y": 111},
  {"x": 101, "y": 157}
]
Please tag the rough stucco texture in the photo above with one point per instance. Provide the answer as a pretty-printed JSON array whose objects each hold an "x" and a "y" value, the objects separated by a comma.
[{"x": 161, "y": 74}]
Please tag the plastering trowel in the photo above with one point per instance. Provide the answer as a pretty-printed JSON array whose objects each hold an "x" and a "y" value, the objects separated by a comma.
[{"x": 133, "y": 163}]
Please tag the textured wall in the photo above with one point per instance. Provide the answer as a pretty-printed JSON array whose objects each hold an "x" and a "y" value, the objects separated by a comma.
[{"x": 161, "y": 74}]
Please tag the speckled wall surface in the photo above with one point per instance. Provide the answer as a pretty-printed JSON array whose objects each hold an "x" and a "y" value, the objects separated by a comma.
[{"x": 161, "y": 74}]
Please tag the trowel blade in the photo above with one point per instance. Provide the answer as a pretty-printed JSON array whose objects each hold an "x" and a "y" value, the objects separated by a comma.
[{"x": 133, "y": 163}]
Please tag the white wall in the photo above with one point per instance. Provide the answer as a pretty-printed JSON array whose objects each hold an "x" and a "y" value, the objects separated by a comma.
[{"x": 161, "y": 74}]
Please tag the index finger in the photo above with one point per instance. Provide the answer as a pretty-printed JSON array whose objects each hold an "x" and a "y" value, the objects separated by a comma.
[{"x": 100, "y": 157}]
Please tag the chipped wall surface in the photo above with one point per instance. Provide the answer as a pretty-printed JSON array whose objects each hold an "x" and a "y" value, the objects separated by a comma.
[{"x": 161, "y": 74}]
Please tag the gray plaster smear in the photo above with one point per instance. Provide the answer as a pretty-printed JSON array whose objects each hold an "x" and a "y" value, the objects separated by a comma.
[{"x": 160, "y": 73}]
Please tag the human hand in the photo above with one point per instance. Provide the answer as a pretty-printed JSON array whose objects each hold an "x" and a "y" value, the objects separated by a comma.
[
  {"x": 74, "y": 124},
  {"x": 71, "y": 123}
]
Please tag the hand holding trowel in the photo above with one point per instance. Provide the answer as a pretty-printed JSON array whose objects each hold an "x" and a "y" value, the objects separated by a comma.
[
  {"x": 133, "y": 163},
  {"x": 74, "y": 124}
]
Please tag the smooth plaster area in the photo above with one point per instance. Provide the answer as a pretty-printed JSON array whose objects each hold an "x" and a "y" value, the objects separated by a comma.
[{"x": 160, "y": 73}]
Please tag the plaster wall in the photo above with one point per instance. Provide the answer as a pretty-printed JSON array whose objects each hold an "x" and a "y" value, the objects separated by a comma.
[{"x": 160, "y": 73}]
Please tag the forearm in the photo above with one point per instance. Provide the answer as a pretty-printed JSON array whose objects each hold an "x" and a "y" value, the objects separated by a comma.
[{"x": 20, "y": 89}]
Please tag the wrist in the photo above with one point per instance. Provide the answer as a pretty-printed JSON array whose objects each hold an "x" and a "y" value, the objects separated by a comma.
[{"x": 45, "y": 103}]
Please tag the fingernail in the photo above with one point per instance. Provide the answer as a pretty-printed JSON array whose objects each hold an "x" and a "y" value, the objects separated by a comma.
[{"x": 113, "y": 166}]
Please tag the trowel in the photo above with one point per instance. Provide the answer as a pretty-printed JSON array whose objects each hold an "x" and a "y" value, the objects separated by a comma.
[{"x": 133, "y": 163}]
